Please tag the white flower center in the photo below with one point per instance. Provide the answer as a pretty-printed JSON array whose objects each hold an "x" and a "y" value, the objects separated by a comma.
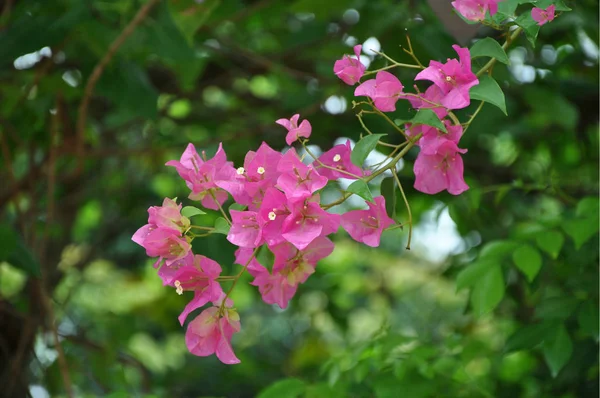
[
  {"x": 260, "y": 170},
  {"x": 241, "y": 170},
  {"x": 337, "y": 158},
  {"x": 272, "y": 216},
  {"x": 448, "y": 78},
  {"x": 178, "y": 288}
]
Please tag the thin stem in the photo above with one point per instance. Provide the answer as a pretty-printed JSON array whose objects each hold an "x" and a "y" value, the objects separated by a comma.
[
  {"x": 394, "y": 63},
  {"x": 376, "y": 111},
  {"x": 412, "y": 53},
  {"x": 364, "y": 126},
  {"x": 468, "y": 122},
  {"x": 203, "y": 228},
  {"x": 236, "y": 278},
  {"x": 212, "y": 194},
  {"x": 410, "y": 224}
]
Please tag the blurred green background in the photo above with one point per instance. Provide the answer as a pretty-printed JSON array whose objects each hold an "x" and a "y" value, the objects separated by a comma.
[{"x": 386, "y": 322}]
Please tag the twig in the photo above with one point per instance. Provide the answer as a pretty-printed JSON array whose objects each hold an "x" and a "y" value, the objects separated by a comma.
[
  {"x": 97, "y": 72},
  {"x": 410, "y": 223}
]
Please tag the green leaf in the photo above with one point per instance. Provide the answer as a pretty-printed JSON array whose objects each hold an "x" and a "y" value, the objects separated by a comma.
[
  {"x": 388, "y": 191},
  {"x": 528, "y": 336},
  {"x": 587, "y": 207},
  {"x": 528, "y": 260},
  {"x": 558, "y": 350},
  {"x": 497, "y": 249},
  {"x": 556, "y": 308},
  {"x": 238, "y": 207},
  {"x": 360, "y": 188},
  {"x": 488, "y": 292},
  {"x": 530, "y": 27},
  {"x": 286, "y": 388},
  {"x": 587, "y": 317},
  {"x": 23, "y": 259},
  {"x": 474, "y": 272},
  {"x": 191, "y": 211},
  {"x": 489, "y": 47},
  {"x": 222, "y": 226},
  {"x": 428, "y": 118},
  {"x": 581, "y": 230},
  {"x": 8, "y": 241},
  {"x": 551, "y": 242},
  {"x": 363, "y": 148},
  {"x": 559, "y": 4},
  {"x": 489, "y": 91}
]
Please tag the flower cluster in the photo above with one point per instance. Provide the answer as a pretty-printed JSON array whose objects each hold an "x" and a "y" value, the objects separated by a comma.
[{"x": 439, "y": 165}]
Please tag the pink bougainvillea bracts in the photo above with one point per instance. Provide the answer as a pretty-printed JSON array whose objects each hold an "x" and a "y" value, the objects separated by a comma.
[
  {"x": 475, "y": 10},
  {"x": 349, "y": 68},
  {"x": 543, "y": 16},
  {"x": 384, "y": 90},
  {"x": 295, "y": 130}
]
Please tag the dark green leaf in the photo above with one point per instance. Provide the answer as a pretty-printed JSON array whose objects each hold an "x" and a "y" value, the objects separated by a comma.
[
  {"x": 581, "y": 230},
  {"x": 222, "y": 226},
  {"x": 286, "y": 388},
  {"x": 388, "y": 191},
  {"x": 587, "y": 317},
  {"x": 498, "y": 249},
  {"x": 363, "y": 148},
  {"x": 551, "y": 242},
  {"x": 530, "y": 27},
  {"x": 556, "y": 308},
  {"x": 428, "y": 118},
  {"x": 21, "y": 257},
  {"x": 489, "y": 47},
  {"x": 558, "y": 350},
  {"x": 528, "y": 260},
  {"x": 360, "y": 188},
  {"x": 8, "y": 241},
  {"x": 191, "y": 211},
  {"x": 528, "y": 336},
  {"x": 488, "y": 292},
  {"x": 489, "y": 91},
  {"x": 238, "y": 207}
]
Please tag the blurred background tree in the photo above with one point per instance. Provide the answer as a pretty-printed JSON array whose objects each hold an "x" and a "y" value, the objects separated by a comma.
[{"x": 96, "y": 96}]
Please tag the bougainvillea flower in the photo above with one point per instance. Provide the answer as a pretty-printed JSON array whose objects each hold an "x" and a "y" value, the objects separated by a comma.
[
  {"x": 197, "y": 274},
  {"x": 210, "y": 333},
  {"x": 201, "y": 176},
  {"x": 306, "y": 222},
  {"x": 162, "y": 242},
  {"x": 428, "y": 100},
  {"x": 366, "y": 226},
  {"x": 384, "y": 90},
  {"x": 245, "y": 230},
  {"x": 168, "y": 216},
  {"x": 297, "y": 179},
  {"x": 339, "y": 158},
  {"x": 455, "y": 78},
  {"x": 475, "y": 10},
  {"x": 295, "y": 131},
  {"x": 273, "y": 211},
  {"x": 349, "y": 68},
  {"x": 542, "y": 16},
  {"x": 443, "y": 170},
  {"x": 433, "y": 138}
]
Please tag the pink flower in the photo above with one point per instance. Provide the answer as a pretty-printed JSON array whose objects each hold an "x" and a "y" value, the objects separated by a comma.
[
  {"x": 251, "y": 181},
  {"x": 193, "y": 273},
  {"x": 201, "y": 176},
  {"x": 168, "y": 216},
  {"x": 297, "y": 179},
  {"x": 291, "y": 268},
  {"x": 162, "y": 242},
  {"x": 442, "y": 170},
  {"x": 455, "y": 78},
  {"x": 366, "y": 226},
  {"x": 210, "y": 333},
  {"x": 433, "y": 138},
  {"x": 474, "y": 10},
  {"x": 384, "y": 90},
  {"x": 542, "y": 16},
  {"x": 349, "y": 69},
  {"x": 339, "y": 158},
  {"x": 245, "y": 230},
  {"x": 433, "y": 95},
  {"x": 295, "y": 131},
  {"x": 306, "y": 222},
  {"x": 271, "y": 215}
]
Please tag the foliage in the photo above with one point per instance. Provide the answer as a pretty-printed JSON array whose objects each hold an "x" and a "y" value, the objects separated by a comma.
[{"x": 511, "y": 310}]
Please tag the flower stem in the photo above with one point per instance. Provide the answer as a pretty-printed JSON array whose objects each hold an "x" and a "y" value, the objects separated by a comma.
[
  {"x": 212, "y": 194},
  {"x": 236, "y": 278},
  {"x": 410, "y": 223}
]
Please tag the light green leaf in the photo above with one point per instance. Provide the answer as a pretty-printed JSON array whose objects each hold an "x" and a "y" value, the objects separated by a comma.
[
  {"x": 528, "y": 336},
  {"x": 497, "y": 249},
  {"x": 551, "y": 242},
  {"x": 286, "y": 388},
  {"x": 556, "y": 308},
  {"x": 528, "y": 260},
  {"x": 489, "y": 91},
  {"x": 237, "y": 206},
  {"x": 191, "y": 211},
  {"x": 587, "y": 207},
  {"x": 581, "y": 230},
  {"x": 488, "y": 292},
  {"x": 222, "y": 226},
  {"x": 428, "y": 118},
  {"x": 474, "y": 273},
  {"x": 364, "y": 147},
  {"x": 558, "y": 350},
  {"x": 360, "y": 188},
  {"x": 489, "y": 47}
]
